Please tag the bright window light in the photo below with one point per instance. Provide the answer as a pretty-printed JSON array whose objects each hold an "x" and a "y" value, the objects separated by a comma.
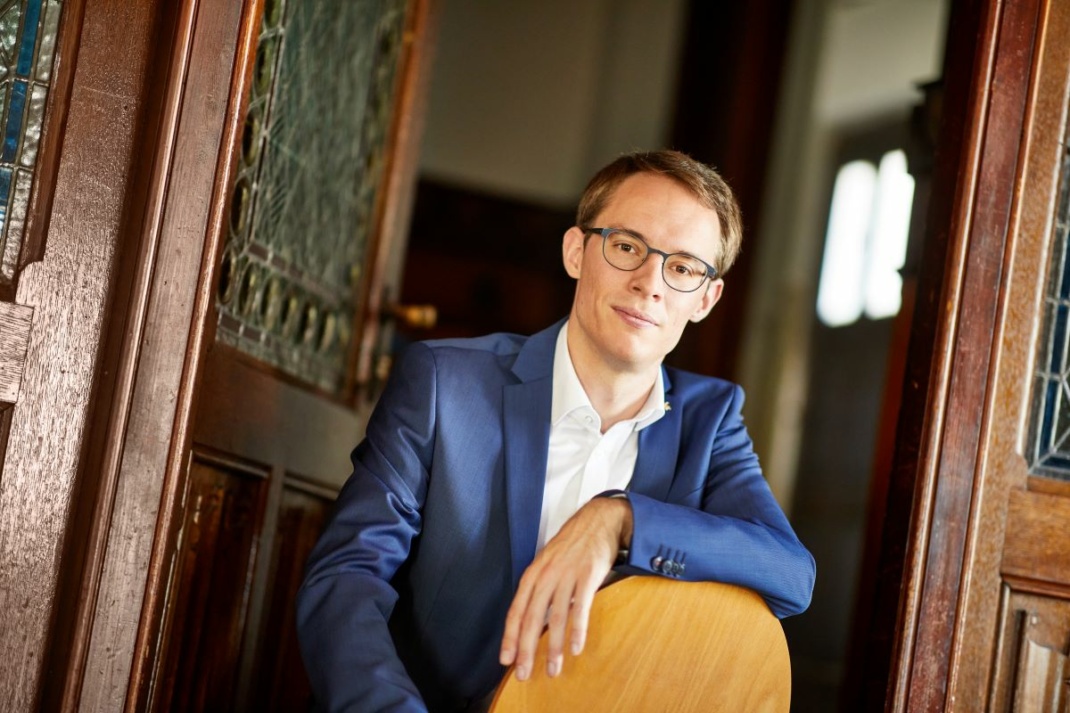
[
  {"x": 839, "y": 294},
  {"x": 888, "y": 246},
  {"x": 865, "y": 248}
]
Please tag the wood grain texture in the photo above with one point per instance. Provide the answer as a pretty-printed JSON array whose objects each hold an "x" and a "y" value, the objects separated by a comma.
[
  {"x": 15, "y": 321},
  {"x": 1037, "y": 544},
  {"x": 278, "y": 682},
  {"x": 959, "y": 396},
  {"x": 1028, "y": 624},
  {"x": 150, "y": 418},
  {"x": 658, "y": 645},
  {"x": 1002, "y": 473},
  {"x": 213, "y": 573},
  {"x": 977, "y": 411},
  {"x": 69, "y": 292},
  {"x": 254, "y": 416}
]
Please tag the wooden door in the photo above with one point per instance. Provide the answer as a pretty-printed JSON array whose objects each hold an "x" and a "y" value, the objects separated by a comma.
[
  {"x": 184, "y": 373},
  {"x": 982, "y": 468},
  {"x": 312, "y": 192}
]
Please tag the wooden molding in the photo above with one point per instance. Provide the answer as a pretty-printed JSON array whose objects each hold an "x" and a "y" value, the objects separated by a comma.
[
  {"x": 15, "y": 322},
  {"x": 973, "y": 207}
]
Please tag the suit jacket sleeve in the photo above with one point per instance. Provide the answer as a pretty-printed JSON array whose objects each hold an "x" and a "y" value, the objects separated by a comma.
[
  {"x": 346, "y": 598},
  {"x": 737, "y": 534}
]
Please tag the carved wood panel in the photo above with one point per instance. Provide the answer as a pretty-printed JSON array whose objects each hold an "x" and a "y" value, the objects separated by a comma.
[
  {"x": 209, "y": 587},
  {"x": 282, "y": 684},
  {"x": 1032, "y": 671}
]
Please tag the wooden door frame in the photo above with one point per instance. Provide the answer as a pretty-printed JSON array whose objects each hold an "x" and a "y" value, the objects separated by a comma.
[{"x": 923, "y": 572}]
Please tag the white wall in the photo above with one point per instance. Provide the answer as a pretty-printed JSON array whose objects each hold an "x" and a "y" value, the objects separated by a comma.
[
  {"x": 874, "y": 53},
  {"x": 529, "y": 98}
]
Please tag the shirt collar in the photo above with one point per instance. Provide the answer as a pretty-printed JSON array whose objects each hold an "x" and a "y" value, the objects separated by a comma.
[{"x": 568, "y": 394}]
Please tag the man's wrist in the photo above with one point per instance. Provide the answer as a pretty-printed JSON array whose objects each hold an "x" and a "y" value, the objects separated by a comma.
[{"x": 625, "y": 535}]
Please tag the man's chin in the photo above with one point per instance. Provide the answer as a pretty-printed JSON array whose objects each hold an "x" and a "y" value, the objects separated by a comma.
[{"x": 634, "y": 360}]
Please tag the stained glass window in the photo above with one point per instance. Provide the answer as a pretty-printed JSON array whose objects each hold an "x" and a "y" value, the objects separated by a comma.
[
  {"x": 303, "y": 206},
  {"x": 27, "y": 49},
  {"x": 1051, "y": 395}
]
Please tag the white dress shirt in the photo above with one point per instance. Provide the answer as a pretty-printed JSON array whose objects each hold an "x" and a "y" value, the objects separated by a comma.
[{"x": 582, "y": 461}]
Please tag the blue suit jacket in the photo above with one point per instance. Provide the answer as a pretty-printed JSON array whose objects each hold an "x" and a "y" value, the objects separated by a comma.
[{"x": 406, "y": 592}]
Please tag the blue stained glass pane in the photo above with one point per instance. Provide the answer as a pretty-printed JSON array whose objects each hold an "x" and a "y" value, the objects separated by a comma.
[
  {"x": 1061, "y": 234},
  {"x": 1058, "y": 342},
  {"x": 1064, "y": 192},
  {"x": 14, "y": 121},
  {"x": 28, "y": 31},
  {"x": 1047, "y": 429},
  {"x": 1056, "y": 462},
  {"x": 5, "y": 185},
  {"x": 29, "y": 37},
  {"x": 5, "y": 192}
]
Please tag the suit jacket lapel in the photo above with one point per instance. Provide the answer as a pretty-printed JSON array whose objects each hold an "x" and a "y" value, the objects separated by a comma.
[
  {"x": 526, "y": 416},
  {"x": 659, "y": 445}
]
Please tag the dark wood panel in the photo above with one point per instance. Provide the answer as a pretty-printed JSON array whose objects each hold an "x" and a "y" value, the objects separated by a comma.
[
  {"x": 280, "y": 682},
  {"x": 254, "y": 416},
  {"x": 208, "y": 595}
]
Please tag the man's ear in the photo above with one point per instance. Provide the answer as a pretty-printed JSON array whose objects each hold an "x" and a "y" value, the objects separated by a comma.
[
  {"x": 709, "y": 299},
  {"x": 572, "y": 251}
]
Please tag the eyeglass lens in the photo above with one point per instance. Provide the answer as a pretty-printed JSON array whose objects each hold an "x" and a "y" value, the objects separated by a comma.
[{"x": 628, "y": 252}]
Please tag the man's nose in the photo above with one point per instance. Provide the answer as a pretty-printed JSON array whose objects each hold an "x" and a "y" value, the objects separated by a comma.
[{"x": 647, "y": 278}]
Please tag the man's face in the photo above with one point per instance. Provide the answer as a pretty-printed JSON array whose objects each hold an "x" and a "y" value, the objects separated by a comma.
[{"x": 629, "y": 321}]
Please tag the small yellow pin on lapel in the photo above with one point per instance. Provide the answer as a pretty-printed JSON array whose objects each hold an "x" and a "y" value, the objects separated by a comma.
[{"x": 668, "y": 406}]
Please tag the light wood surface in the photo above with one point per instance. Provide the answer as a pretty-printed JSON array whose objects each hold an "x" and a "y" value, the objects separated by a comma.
[
  {"x": 15, "y": 323},
  {"x": 660, "y": 645}
]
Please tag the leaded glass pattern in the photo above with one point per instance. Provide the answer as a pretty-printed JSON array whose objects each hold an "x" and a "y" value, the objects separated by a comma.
[
  {"x": 28, "y": 31},
  {"x": 1050, "y": 455},
  {"x": 302, "y": 208}
]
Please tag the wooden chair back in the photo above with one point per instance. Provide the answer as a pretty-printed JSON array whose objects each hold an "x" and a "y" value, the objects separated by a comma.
[{"x": 655, "y": 644}]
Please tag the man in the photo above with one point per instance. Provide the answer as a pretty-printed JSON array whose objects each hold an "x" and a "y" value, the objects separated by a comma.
[{"x": 502, "y": 478}]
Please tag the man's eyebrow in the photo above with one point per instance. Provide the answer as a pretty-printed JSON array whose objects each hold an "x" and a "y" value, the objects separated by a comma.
[
  {"x": 630, "y": 231},
  {"x": 637, "y": 234}
]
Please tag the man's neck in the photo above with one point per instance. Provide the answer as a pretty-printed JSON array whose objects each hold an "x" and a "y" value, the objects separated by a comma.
[{"x": 616, "y": 394}]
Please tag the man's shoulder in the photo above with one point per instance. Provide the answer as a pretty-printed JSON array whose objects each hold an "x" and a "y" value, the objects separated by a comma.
[
  {"x": 497, "y": 344},
  {"x": 699, "y": 386},
  {"x": 465, "y": 356}
]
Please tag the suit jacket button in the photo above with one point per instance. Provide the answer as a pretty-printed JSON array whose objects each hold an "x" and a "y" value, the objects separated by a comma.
[{"x": 656, "y": 563}]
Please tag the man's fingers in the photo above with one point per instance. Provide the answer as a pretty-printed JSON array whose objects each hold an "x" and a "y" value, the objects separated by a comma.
[
  {"x": 513, "y": 620},
  {"x": 559, "y": 614},
  {"x": 581, "y": 614},
  {"x": 532, "y": 620},
  {"x": 572, "y": 566}
]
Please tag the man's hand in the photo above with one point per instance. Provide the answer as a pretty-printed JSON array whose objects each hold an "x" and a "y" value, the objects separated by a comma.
[{"x": 562, "y": 581}]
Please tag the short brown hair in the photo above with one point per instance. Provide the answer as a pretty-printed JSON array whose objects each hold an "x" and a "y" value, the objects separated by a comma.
[{"x": 701, "y": 180}]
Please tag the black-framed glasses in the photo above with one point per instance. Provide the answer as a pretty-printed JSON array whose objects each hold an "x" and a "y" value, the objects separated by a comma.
[{"x": 627, "y": 251}]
